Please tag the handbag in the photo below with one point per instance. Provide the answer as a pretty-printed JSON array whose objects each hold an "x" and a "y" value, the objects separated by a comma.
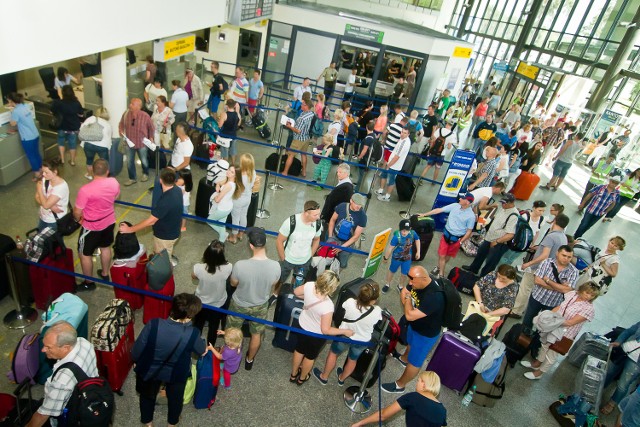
[
  {"x": 91, "y": 132},
  {"x": 67, "y": 225},
  {"x": 223, "y": 142},
  {"x": 159, "y": 270},
  {"x": 123, "y": 148},
  {"x": 562, "y": 346}
]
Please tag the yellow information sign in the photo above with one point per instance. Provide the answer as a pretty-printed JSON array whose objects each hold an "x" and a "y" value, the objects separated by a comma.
[
  {"x": 530, "y": 71},
  {"x": 462, "y": 52},
  {"x": 179, "y": 47},
  {"x": 374, "y": 259}
]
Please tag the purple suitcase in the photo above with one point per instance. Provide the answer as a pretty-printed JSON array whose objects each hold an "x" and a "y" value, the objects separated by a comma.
[{"x": 453, "y": 360}]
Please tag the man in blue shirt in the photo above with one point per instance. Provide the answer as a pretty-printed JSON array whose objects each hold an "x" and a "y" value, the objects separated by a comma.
[
  {"x": 346, "y": 226},
  {"x": 458, "y": 228},
  {"x": 256, "y": 90}
]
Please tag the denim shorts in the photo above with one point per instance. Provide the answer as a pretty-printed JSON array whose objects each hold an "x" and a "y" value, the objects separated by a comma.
[
  {"x": 560, "y": 169},
  {"x": 70, "y": 137},
  {"x": 391, "y": 176},
  {"x": 354, "y": 350},
  {"x": 404, "y": 266}
]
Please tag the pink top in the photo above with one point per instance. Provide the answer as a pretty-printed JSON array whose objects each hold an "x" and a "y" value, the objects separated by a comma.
[
  {"x": 319, "y": 108},
  {"x": 381, "y": 123},
  {"x": 571, "y": 308},
  {"x": 96, "y": 199},
  {"x": 481, "y": 109}
]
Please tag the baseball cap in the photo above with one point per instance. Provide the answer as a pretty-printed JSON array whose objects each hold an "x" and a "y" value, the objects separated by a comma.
[
  {"x": 359, "y": 199},
  {"x": 404, "y": 225},
  {"x": 469, "y": 197},
  {"x": 507, "y": 198},
  {"x": 257, "y": 236}
]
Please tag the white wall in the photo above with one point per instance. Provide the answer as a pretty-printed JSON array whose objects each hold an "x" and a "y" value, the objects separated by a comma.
[
  {"x": 41, "y": 32},
  {"x": 310, "y": 62},
  {"x": 434, "y": 75}
]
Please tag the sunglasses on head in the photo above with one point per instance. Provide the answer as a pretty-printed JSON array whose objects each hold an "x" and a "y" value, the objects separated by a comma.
[
  {"x": 313, "y": 208},
  {"x": 415, "y": 277}
]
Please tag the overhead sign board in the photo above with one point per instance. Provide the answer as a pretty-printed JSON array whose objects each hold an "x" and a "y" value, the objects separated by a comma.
[
  {"x": 462, "y": 52},
  {"x": 530, "y": 71},
  {"x": 363, "y": 33},
  {"x": 501, "y": 66},
  {"x": 167, "y": 49}
]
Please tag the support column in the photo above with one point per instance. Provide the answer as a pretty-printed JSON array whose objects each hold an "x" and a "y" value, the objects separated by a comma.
[
  {"x": 462, "y": 29},
  {"x": 114, "y": 85},
  {"x": 612, "y": 74}
]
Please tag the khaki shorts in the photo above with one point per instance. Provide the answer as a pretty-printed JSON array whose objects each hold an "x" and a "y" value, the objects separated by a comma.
[
  {"x": 259, "y": 311},
  {"x": 296, "y": 144},
  {"x": 159, "y": 245}
]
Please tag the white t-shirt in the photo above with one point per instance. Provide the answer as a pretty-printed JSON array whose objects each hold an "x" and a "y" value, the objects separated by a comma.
[
  {"x": 226, "y": 203},
  {"x": 181, "y": 149},
  {"x": 106, "y": 131},
  {"x": 310, "y": 317},
  {"x": 504, "y": 160},
  {"x": 186, "y": 196},
  {"x": 535, "y": 224},
  {"x": 212, "y": 288},
  {"x": 154, "y": 92},
  {"x": 350, "y": 86},
  {"x": 298, "y": 247},
  {"x": 362, "y": 328},
  {"x": 480, "y": 193},
  {"x": 299, "y": 91},
  {"x": 398, "y": 118},
  {"x": 179, "y": 100},
  {"x": 62, "y": 191},
  {"x": 338, "y": 127},
  {"x": 402, "y": 151}
]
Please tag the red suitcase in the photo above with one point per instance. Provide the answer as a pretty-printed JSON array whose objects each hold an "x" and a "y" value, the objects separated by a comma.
[
  {"x": 133, "y": 278},
  {"x": 156, "y": 307},
  {"x": 115, "y": 365},
  {"x": 453, "y": 360},
  {"x": 524, "y": 185},
  {"x": 47, "y": 285}
]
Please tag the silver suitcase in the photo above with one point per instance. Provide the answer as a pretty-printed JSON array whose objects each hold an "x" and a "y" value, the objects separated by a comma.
[
  {"x": 589, "y": 344},
  {"x": 590, "y": 380}
]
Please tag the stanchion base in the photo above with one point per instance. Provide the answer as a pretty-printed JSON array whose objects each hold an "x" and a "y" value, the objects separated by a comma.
[
  {"x": 20, "y": 319},
  {"x": 263, "y": 214},
  {"x": 275, "y": 186},
  {"x": 358, "y": 402},
  {"x": 405, "y": 214}
]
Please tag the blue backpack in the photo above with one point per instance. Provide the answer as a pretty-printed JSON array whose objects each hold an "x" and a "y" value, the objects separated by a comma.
[{"x": 206, "y": 391}]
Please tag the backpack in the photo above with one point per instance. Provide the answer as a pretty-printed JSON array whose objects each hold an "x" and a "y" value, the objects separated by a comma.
[
  {"x": 413, "y": 130},
  {"x": 206, "y": 391},
  {"x": 317, "y": 127},
  {"x": 91, "y": 402},
  {"x": 438, "y": 144},
  {"x": 126, "y": 245},
  {"x": 528, "y": 215},
  {"x": 523, "y": 236},
  {"x": 111, "y": 325},
  {"x": 375, "y": 151},
  {"x": 292, "y": 227},
  {"x": 26, "y": 359},
  {"x": 348, "y": 121},
  {"x": 344, "y": 227},
  {"x": 45, "y": 242},
  {"x": 452, "y": 303},
  {"x": 473, "y": 327}
]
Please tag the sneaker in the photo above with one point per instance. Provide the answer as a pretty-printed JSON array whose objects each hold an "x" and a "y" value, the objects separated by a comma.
[
  {"x": 104, "y": 277},
  {"x": 85, "y": 286},
  {"x": 380, "y": 191},
  {"x": 338, "y": 374},
  {"x": 526, "y": 364},
  {"x": 129, "y": 182},
  {"x": 385, "y": 288},
  {"x": 392, "y": 388},
  {"x": 384, "y": 198},
  {"x": 435, "y": 271},
  {"x": 531, "y": 376},
  {"x": 396, "y": 356},
  {"x": 87, "y": 176},
  {"x": 144, "y": 178},
  {"x": 399, "y": 288},
  {"x": 316, "y": 373},
  {"x": 174, "y": 260},
  {"x": 247, "y": 365}
]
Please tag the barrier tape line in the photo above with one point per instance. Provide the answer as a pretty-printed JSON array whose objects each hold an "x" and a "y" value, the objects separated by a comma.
[{"x": 170, "y": 298}]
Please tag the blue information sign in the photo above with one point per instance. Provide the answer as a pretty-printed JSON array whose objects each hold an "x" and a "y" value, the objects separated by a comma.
[{"x": 453, "y": 183}]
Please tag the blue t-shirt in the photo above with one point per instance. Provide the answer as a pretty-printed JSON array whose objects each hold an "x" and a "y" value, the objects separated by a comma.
[
  {"x": 168, "y": 210},
  {"x": 460, "y": 220},
  {"x": 254, "y": 88},
  {"x": 403, "y": 245},
  {"x": 413, "y": 123},
  {"x": 359, "y": 219},
  {"x": 506, "y": 140},
  {"x": 22, "y": 115},
  {"x": 422, "y": 411}
]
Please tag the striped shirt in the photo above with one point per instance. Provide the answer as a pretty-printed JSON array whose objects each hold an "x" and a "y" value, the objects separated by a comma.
[
  {"x": 571, "y": 308},
  {"x": 58, "y": 390},
  {"x": 303, "y": 124},
  {"x": 549, "y": 297},
  {"x": 393, "y": 136},
  {"x": 240, "y": 90},
  {"x": 137, "y": 125},
  {"x": 601, "y": 200}
]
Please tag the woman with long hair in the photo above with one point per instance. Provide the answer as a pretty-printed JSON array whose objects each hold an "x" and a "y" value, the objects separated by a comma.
[
  {"x": 52, "y": 194},
  {"x": 245, "y": 181},
  {"x": 70, "y": 113}
]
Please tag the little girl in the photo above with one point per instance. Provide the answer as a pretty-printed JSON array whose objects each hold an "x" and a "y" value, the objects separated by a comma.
[
  {"x": 324, "y": 166},
  {"x": 381, "y": 121},
  {"x": 230, "y": 354},
  {"x": 185, "y": 183}
]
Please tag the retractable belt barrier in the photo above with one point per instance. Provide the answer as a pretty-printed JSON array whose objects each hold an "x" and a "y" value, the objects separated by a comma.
[{"x": 209, "y": 307}]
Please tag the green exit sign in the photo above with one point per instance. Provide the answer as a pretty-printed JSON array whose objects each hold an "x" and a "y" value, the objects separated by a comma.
[{"x": 363, "y": 33}]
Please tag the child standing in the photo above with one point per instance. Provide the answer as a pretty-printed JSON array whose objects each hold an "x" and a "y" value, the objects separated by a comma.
[
  {"x": 185, "y": 183},
  {"x": 402, "y": 247},
  {"x": 324, "y": 166},
  {"x": 230, "y": 355}
]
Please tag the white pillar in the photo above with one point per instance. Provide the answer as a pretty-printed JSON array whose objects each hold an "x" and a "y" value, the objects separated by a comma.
[{"x": 114, "y": 85}]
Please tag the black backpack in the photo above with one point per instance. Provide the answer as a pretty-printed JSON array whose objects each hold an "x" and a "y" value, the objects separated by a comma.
[
  {"x": 376, "y": 150},
  {"x": 91, "y": 402},
  {"x": 523, "y": 236},
  {"x": 452, "y": 303},
  {"x": 473, "y": 327},
  {"x": 413, "y": 130},
  {"x": 292, "y": 227},
  {"x": 126, "y": 245}
]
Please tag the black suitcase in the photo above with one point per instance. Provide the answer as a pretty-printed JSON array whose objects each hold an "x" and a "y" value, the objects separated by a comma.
[
  {"x": 205, "y": 190},
  {"x": 405, "y": 188},
  {"x": 253, "y": 209},
  {"x": 6, "y": 246},
  {"x": 348, "y": 290},
  {"x": 264, "y": 131},
  {"x": 260, "y": 123},
  {"x": 422, "y": 225},
  {"x": 514, "y": 352},
  {"x": 151, "y": 158},
  {"x": 410, "y": 163},
  {"x": 202, "y": 154},
  {"x": 462, "y": 280},
  {"x": 425, "y": 242},
  {"x": 363, "y": 364},
  {"x": 287, "y": 312},
  {"x": 272, "y": 160}
]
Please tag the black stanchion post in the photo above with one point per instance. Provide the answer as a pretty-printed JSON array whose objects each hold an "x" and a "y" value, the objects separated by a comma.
[
  {"x": 373, "y": 180},
  {"x": 407, "y": 214},
  {"x": 356, "y": 398},
  {"x": 21, "y": 317},
  {"x": 274, "y": 185},
  {"x": 262, "y": 213}
]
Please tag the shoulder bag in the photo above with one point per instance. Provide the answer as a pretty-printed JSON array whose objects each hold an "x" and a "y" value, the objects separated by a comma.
[
  {"x": 91, "y": 132},
  {"x": 67, "y": 225},
  {"x": 123, "y": 148}
]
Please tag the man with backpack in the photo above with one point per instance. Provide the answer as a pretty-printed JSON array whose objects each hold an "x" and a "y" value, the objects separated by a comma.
[
  {"x": 298, "y": 239},
  {"x": 423, "y": 306},
  {"x": 62, "y": 344},
  {"x": 346, "y": 226},
  {"x": 445, "y": 138},
  {"x": 416, "y": 131},
  {"x": 370, "y": 152},
  {"x": 501, "y": 230}
]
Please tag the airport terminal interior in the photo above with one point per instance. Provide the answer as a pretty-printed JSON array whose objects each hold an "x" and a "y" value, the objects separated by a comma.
[{"x": 574, "y": 60}]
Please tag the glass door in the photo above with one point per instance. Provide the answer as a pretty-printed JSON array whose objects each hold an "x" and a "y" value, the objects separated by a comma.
[
  {"x": 248, "y": 50},
  {"x": 276, "y": 61}
]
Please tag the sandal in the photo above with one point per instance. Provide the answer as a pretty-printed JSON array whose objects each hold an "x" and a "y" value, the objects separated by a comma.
[
  {"x": 608, "y": 408},
  {"x": 301, "y": 381},
  {"x": 294, "y": 378}
]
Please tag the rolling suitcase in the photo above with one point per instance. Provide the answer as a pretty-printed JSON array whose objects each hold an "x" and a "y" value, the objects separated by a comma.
[
  {"x": 590, "y": 380},
  {"x": 453, "y": 360},
  {"x": 487, "y": 394},
  {"x": 462, "y": 280},
  {"x": 589, "y": 344},
  {"x": 271, "y": 162},
  {"x": 112, "y": 337},
  {"x": 156, "y": 307},
  {"x": 405, "y": 188},
  {"x": 253, "y": 209},
  {"x": 363, "y": 364},
  {"x": 516, "y": 348},
  {"x": 288, "y": 309},
  {"x": 203, "y": 195},
  {"x": 348, "y": 290},
  {"x": 524, "y": 185},
  {"x": 135, "y": 278},
  {"x": 48, "y": 285},
  {"x": 424, "y": 227}
]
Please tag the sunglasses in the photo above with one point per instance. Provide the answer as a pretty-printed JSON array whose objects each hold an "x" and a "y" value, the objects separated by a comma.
[{"x": 415, "y": 277}]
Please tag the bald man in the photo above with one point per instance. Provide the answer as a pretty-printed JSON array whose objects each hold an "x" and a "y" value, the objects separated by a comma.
[
  {"x": 136, "y": 125},
  {"x": 61, "y": 343},
  {"x": 423, "y": 306},
  {"x": 489, "y": 169}
]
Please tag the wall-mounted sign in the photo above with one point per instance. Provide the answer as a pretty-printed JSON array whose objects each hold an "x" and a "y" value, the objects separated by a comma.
[
  {"x": 166, "y": 49},
  {"x": 462, "y": 52},
  {"x": 242, "y": 12},
  {"x": 501, "y": 66},
  {"x": 363, "y": 33},
  {"x": 530, "y": 71},
  {"x": 609, "y": 118}
]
